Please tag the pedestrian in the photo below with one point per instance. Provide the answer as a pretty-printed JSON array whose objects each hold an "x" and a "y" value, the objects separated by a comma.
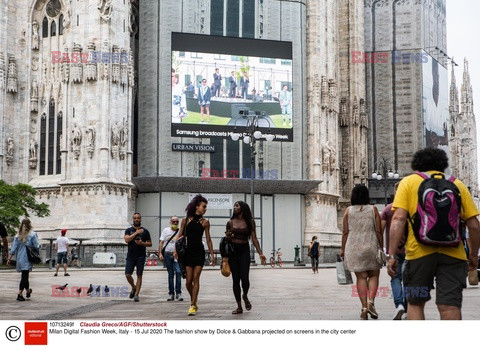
[
  {"x": 244, "y": 83},
  {"x": 73, "y": 256},
  {"x": 138, "y": 239},
  {"x": 240, "y": 229},
  {"x": 62, "y": 252},
  {"x": 204, "y": 96},
  {"x": 4, "y": 243},
  {"x": 233, "y": 85},
  {"x": 165, "y": 254},
  {"x": 25, "y": 237},
  {"x": 313, "y": 252},
  {"x": 396, "y": 282},
  {"x": 193, "y": 226},
  {"x": 361, "y": 240},
  {"x": 217, "y": 83},
  {"x": 426, "y": 261}
]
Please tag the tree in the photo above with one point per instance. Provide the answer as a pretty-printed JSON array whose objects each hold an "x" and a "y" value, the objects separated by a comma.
[{"x": 16, "y": 201}]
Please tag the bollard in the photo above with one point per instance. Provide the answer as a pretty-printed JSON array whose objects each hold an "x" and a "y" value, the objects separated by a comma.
[{"x": 298, "y": 261}]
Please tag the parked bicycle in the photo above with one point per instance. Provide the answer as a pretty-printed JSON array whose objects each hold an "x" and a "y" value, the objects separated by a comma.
[{"x": 278, "y": 261}]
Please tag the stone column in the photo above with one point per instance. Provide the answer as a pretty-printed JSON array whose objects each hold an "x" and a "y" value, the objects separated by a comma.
[{"x": 323, "y": 139}]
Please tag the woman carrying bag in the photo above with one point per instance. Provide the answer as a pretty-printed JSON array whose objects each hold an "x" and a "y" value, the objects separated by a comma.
[
  {"x": 26, "y": 237},
  {"x": 361, "y": 241}
]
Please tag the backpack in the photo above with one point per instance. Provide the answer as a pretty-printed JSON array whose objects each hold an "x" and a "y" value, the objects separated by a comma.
[{"x": 437, "y": 219}]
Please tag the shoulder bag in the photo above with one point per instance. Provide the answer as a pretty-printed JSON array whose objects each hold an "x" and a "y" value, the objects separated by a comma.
[
  {"x": 168, "y": 242},
  {"x": 33, "y": 255},
  {"x": 381, "y": 258},
  {"x": 226, "y": 248}
]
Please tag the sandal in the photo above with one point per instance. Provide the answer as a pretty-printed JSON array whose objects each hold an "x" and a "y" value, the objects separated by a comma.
[
  {"x": 239, "y": 310},
  {"x": 248, "y": 305},
  {"x": 364, "y": 314},
  {"x": 372, "y": 310}
]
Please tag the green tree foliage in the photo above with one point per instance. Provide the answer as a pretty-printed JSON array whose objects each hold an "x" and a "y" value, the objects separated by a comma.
[
  {"x": 19, "y": 201},
  {"x": 244, "y": 67}
]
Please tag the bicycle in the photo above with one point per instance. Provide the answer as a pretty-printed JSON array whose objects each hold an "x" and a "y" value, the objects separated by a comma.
[{"x": 278, "y": 261}]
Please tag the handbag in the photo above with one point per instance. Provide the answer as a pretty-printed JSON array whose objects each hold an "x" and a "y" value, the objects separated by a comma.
[
  {"x": 225, "y": 267},
  {"x": 343, "y": 275},
  {"x": 381, "y": 257},
  {"x": 473, "y": 277},
  {"x": 33, "y": 255},
  {"x": 181, "y": 249},
  {"x": 225, "y": 247}
]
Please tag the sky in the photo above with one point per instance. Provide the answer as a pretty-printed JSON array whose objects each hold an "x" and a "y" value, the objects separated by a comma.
[{"x": 463, "y": 30}]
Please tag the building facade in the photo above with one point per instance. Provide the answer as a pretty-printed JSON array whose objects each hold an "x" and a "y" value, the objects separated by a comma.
[
  {"x": 94, "y": 135},
  {"x": 66, "y": 104},
  {"x": 407, "y": 83},
  {"x": 463, "y": 132}
]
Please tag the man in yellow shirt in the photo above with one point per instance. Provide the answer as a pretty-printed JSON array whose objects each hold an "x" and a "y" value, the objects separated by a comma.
[{"x": 424, "y": 263}]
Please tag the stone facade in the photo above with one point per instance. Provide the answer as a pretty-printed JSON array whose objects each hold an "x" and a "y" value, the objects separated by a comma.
[
  {"x": 463, "y": 132},
  {"x": 62, "y": 100},
  {"x": 394, "y": 91},
  {"x": 83, "y": 169}
]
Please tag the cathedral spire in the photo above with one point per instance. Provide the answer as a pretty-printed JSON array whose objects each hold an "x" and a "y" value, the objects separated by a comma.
[
  {"x": 466, "y": 91},
  {"x": 454, "y": 105}
]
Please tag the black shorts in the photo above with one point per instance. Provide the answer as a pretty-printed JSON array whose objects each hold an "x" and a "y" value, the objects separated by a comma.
[
  {"x": 132, "y": 263},
  {"x": 450, "y": 278}
]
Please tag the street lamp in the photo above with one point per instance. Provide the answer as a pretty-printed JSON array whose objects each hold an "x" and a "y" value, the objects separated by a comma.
[
  {"x": 389, "y": 178},
  {"x": 250, "y": 136}
]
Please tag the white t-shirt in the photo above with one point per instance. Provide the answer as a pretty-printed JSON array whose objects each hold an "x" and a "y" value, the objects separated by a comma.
[
  {"x": 166, "y": 234},
  {"x": 62, "y": 244}
]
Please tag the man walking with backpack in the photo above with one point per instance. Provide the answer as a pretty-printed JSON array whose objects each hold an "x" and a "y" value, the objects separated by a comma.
[{"x": 433, "y": 205}]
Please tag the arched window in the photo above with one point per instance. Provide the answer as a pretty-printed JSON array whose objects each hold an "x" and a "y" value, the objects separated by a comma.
[
  {"x": 45, "y": 27},
  {"x": 59, "y": 134},
  {"x": 60, "y": 25},
  {"x": 53, "y": 29},
  {"x": 43, "y": 143},
  {"x": 51, "y": 137}
]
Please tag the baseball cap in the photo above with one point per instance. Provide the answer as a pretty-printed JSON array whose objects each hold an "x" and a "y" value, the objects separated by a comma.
[{"x": 64, "y": 231}]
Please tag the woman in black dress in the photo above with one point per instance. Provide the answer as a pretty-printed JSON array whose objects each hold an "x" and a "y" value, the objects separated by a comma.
[
  {"x": 192, "y": 228},
  {"x": 240, "y": 228}
]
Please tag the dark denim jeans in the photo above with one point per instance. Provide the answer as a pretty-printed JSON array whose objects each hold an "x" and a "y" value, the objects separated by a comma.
[
  {"x": 173, "y": 270},
  {"x": 397, "y": 284}
]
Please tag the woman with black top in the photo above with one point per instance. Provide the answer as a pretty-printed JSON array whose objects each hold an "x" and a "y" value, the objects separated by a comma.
[
  {"x": 313, "y": 252},
  {"x": 192, "y": 229},
  {"x": 240, "y": 228}
]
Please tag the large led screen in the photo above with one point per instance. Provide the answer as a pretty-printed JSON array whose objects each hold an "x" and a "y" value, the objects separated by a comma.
[
  {"x": 220, "y": 83},
  {"x": 435, "y": 104}
]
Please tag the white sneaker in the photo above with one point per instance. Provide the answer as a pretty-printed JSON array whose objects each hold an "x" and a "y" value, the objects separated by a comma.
[{"x": 400, "y": 311}]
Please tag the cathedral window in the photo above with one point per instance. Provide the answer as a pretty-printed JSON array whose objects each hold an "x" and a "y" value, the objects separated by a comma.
[
  {"x": 60, "y": 25},
  {"x": 43, "y": 142},
  {"x": 51, "y": 137},
  {"x": 53, "y": 29},
  {"x": 50, "y": 133},
  {"x": 45, "y": 27},
  {"x": 59, "y": 134}
]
